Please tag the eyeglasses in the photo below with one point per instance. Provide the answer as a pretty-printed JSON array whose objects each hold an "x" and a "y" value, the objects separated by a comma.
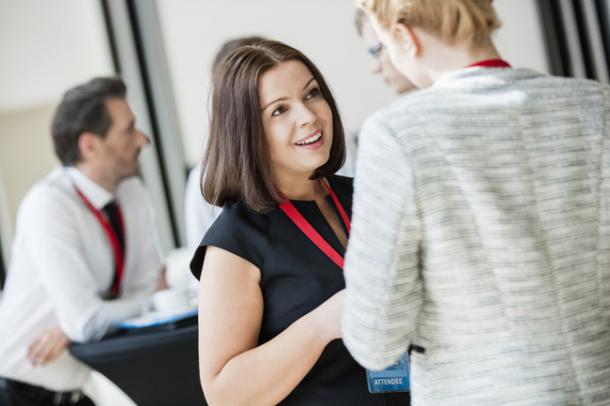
[{"x": 375, "y": 50}]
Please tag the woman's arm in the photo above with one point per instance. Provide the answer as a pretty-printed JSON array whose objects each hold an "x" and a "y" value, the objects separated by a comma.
[
  {"x": 233, "y": 369},
  {"x": 382, "y": 270}
]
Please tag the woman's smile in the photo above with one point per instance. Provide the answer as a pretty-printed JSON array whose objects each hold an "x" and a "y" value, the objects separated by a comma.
[{"x": 312, "y": 141}]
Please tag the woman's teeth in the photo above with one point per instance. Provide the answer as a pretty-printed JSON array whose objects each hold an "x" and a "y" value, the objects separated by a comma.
[{"x": 311, "y": 140}]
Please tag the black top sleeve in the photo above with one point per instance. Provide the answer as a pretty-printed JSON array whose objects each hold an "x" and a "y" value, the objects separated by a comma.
[{"x": 238, "y": 230}]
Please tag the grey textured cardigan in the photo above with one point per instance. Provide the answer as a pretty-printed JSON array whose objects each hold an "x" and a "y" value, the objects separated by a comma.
[{"x": 481, "y": 232}]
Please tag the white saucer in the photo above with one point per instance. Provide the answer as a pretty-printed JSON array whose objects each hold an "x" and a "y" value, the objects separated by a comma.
[{"x": 158, "y": 318}]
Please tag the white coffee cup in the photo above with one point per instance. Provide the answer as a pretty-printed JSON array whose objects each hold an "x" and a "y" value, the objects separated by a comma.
[
  {"x": 171, "y": 300},
  {"x": 177, "y": 271}
]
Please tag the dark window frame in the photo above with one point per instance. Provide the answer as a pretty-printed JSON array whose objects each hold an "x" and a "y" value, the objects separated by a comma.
[{"x": 573, "y": 31}]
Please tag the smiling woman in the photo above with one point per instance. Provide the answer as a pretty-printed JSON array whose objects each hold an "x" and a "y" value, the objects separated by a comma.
[
  {"x": 297, "y": 123},
  {"x": 270, "y": 267},
  {"x": 266, "y": 88}
]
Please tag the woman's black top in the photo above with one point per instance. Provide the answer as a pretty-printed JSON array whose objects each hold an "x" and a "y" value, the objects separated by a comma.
[{"x": 296, "y": 277}]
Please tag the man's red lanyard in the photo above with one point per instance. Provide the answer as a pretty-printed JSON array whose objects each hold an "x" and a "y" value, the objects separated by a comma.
[
  {"x": 315, "y": 237},
  {"x": 113, "y": 238},
  {"x": 490, "y": 63}
]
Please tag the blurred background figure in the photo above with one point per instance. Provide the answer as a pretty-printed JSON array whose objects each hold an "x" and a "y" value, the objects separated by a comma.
[
  {"x": 381, "y": 65},
  {"x": 80, "y": 264}
]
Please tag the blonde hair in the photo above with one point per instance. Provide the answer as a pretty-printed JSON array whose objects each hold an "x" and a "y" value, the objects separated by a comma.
[{"x": 450, "y": 20}]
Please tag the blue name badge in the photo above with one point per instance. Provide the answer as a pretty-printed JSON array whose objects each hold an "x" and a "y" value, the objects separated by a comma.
[{"x": 395, "y": 378}]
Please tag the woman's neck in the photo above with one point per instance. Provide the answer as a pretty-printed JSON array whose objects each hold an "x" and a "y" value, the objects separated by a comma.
[
  {"x": 450, "y": 58},
  {"x": 300, "y": 188}
]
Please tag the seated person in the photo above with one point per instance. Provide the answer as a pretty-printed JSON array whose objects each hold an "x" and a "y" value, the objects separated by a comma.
[{"x": 85, "y": 254}]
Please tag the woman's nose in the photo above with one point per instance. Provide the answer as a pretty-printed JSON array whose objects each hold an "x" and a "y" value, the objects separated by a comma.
[{"x": 305, "y": 115}]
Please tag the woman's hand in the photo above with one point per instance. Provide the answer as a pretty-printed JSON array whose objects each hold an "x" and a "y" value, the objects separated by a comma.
[{"x": 230, "y": 317}]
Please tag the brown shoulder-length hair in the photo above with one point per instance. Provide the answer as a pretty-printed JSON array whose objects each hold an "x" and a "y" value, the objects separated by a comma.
[{"x": 237, "y": 162}]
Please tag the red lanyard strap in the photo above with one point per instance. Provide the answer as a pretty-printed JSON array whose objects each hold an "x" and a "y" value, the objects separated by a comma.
[
  {"x": 117, "y": 250},
  {"x": 338, "y": 205},
  {"x": 490, "y": 63},
  {"x": 307, "y": 229}
]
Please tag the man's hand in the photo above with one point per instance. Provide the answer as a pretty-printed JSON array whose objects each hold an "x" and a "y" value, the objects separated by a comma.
[
  {"x": 47, "y": 346},
  {"x": 162, "y": 285}
]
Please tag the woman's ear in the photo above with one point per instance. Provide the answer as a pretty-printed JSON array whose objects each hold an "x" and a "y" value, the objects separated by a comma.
[{"x": 408, "y": 38}]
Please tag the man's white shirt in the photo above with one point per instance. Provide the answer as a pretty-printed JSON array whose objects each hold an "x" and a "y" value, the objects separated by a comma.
[{"x": 62, "y": 264}]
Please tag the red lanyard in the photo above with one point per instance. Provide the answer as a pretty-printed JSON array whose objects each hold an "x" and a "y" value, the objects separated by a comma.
[
  {"x": 315, "y": 237},
  {"x": 490, "y": 63},
  {"x": 113, "y": 238}
]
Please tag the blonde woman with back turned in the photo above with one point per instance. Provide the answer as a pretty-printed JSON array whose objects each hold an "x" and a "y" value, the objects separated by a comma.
[{"x": 481, "y": 230}]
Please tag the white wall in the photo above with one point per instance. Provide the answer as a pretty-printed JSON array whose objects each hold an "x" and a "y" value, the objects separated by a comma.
[
  {"x": 48, "y": 46},
  {"x": 26, "y": 154},
  {"x": 520, "y": 40},
  {"x": 323, "y": 29}
]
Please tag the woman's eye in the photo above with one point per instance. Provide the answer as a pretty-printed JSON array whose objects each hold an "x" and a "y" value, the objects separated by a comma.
[
  {"x": 315, "y": 92},
  {"x": 277, "y": 111}
]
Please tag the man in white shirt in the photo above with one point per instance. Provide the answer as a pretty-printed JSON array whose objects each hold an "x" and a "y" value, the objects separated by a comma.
[{"x": 79, "y": 265}]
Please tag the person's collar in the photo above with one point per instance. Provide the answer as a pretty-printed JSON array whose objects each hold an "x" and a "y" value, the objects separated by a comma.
[
  {"x": 481, "y": 74},
  {"x": 97, "y": 195}
]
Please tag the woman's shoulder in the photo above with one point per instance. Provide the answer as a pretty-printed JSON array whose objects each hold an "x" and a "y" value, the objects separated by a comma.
[
  {"x": 239, "y": 230},
  {"x": 240, "y": 225},
  {"x": 342, "y": 184},
  {"x": 238, "y": 214}
]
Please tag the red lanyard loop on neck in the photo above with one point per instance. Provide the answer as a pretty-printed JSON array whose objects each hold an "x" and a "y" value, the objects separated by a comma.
[
  {"x": 490, "y": 63},
  {"x": 338, "y": 205},
  {"x": 297, "y": 218},
  {"x": 113, "y": 238}
]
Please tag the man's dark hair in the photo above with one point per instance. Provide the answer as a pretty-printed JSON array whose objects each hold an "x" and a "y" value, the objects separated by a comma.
[
  {"x": 82, "y": 109},
  {"x": 237, "y": 164}
]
